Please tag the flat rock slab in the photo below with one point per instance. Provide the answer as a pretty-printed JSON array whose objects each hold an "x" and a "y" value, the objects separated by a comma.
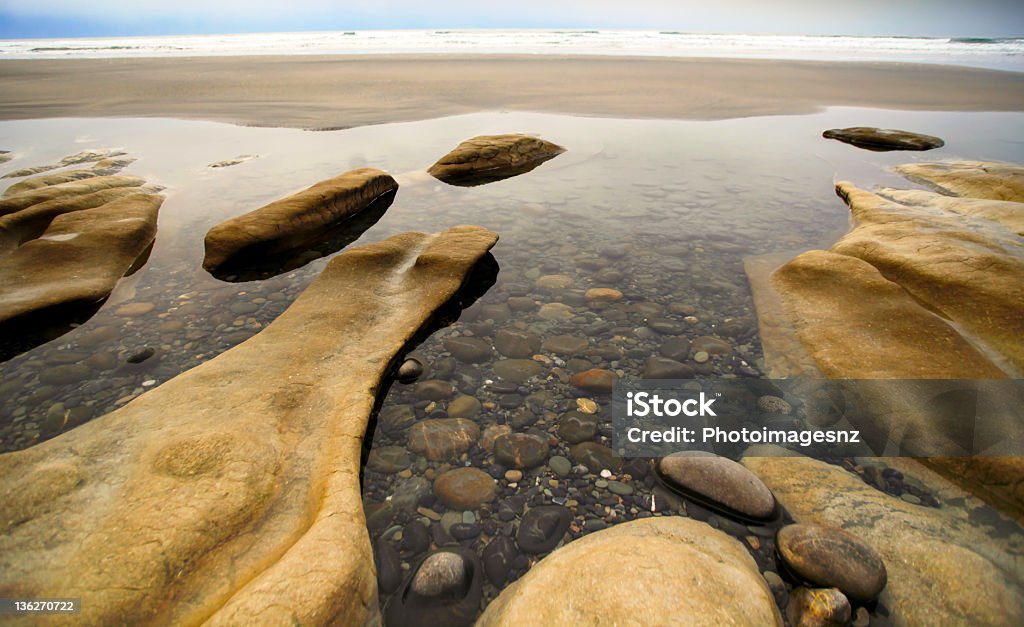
[
  {"x": 971, "y": 179},
  {"x": 78, "y": 260},
  {"x": 230, "y": 494},
  {"x": 883, "y": 139},
  {"x": 293, "y": 222},
  {"x": 655, "y": 571},
  {"x": 943, "y": 568},
  {"x": 489, "y": 158},
  {"x": 63, "y": 191},
  {"x": 106, "y": 167}
]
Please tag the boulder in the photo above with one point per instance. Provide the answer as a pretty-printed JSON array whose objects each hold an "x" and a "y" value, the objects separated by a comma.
[
  {"x": 943, "y": 565},
  {"x": 95, "y": 247},
  {"x": 832, "y": 558},
  {"x": 883, "y": 139},
  {"x": 719, "y": 483},
  {"x": 294, "y": 222},
  {"x": 658, "y": 571},
  {"x": 231, "y": 493},
  {"x": 490, "y": 158},
  {"x": 444, "y": 590}
]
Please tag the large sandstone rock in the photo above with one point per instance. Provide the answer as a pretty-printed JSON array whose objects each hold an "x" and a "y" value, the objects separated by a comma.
[
  {"x": 883, "y": 139},
  {"x": 654, "y": 571},
  {"x": 230, "y": 494},
  {"x": 972, "y": 179},
  {"x": 970, "y": 273},
  {"x": 293, "y": 222},
  {"x": 28, "y": 224},
  {"x": 867, "y": 309},
  {"x": 943, "y": 566},
  {"x": 78, "y": 260},
  {"x": 490, "y": 158},
  {"x": 859, "y": 325}
]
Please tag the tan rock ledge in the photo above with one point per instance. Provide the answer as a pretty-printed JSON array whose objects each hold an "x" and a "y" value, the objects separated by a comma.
[{"x": 230, "y": 495}]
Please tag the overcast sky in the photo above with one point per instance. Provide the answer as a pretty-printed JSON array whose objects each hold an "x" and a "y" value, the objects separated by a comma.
[{"x": 69, "y": 18}]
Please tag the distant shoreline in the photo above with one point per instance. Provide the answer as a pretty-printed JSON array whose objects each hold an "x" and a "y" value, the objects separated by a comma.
[{"x": 341, "y": 91}]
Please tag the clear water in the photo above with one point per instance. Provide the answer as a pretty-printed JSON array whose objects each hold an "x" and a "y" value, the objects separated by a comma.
[{"x": 664, "y": 211}]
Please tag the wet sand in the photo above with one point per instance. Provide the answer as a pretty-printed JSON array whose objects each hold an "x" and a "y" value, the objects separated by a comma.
[{"x": 345, "y": 91}]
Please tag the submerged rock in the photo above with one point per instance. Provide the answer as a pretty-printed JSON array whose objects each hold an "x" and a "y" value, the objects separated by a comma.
[
  {"x": 66, "y": 192},
  {"x": 243, "y": 482},
  {"x": 520, "y": 450},
  {"x": 293, "y": 222},
  {"x": 883, "y": 139},
  {"x": 441, "y": 439},
  {"x": 542, "y": 528},
  {"x": 833, "y": 558},
  {"x": 718, "y": 482},
  {"x": 86, "y": 156},
  {"x": 464, "y": 488},
  {"x": 669, "y": 570},
  {"x": 490, "y": 158}
]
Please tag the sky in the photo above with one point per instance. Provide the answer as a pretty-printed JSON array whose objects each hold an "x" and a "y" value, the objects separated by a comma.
[{"x": 98, "y": 18}]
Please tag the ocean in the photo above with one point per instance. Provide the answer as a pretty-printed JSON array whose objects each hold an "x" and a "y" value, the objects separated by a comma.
[{"x": 994, "y": 53}]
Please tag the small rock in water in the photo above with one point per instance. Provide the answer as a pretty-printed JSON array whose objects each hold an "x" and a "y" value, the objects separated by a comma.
[
  {"x": 498, "y": 556},
  {"x": 434, "y": 390},
  {"x": 833, "y": 558},
  {"x": 410, "y": 370},
  {"x": 516, "y": 343},
  {"x": 513, "y": 476},
  {"x": 439, "y": 574},
  {"x": 559, "y": 465},
  {"x": 603, "y": 294},
  {"x": 596, "y": 457},
  {"x": 471, "y": 350},
  {"x": 664, "y": 368},
  {"x": 440, "y": 439},
  {"x": 520, "y": 450},
  {"x": 596, "y": 380},
  {"x": 575, "y": 427},
  {"x": 553, "y": 282},
  {"x": 142, "y": 355},
  {"x": 542, "y": 528},
  {"x": 586, "y": 405},
  {"x": 464, "y": 488},
  {"x": 883, "y": 139},
  {"x": 824, "y": 607},
  {"x": 464, "y": 407},
  {"x": 701, "y": 357}
]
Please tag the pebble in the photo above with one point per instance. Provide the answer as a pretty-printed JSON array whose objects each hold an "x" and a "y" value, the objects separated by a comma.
[
  {"x": 464, "y": 407},
  {"x": 542, "y": 528},
  {"x": 595, "y": 380},
  {"x": 434, "y": 390},
  {"x": 559, "y": 465},
  {"x": 517, "y": 370},
  {"x": 513, "y": 476},
  {"x": 586, "y": 405},
  {"x": 826, "y": 607},
  {"x": 520, "y": 450},
  {"x": 440, "y": 439},
  {"x": 464, "y": 488},
  {"x": 438, "y": 574},
  {"x": 410, "y": 370},
  {"x": 701, "y": 357},
  {"x": 516, "y": 343},
  {"x": 602, "y": 294}
]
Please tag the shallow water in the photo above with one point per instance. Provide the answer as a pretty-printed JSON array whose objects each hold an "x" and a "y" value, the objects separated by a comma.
[{"x": 662, "y": 210}]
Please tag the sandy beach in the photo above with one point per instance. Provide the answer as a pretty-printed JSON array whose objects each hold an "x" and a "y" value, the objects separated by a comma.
[{"x": 347, "y": 91}]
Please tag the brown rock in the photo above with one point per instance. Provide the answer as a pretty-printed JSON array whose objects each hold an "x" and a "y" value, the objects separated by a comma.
[
  {"x": 963, "y": 568},
  {"x": 94, "y": 246},
  {"x": 441, "y": 439},
  {"x": 718, "y": 481},
  {"x": 610, "y": 577},
  {"x": 464, "y": 488},
  {"x": 883, "y": 139},
  {"x": 833, "y": 558},
  {"x": 291, "y": 223},
  {"x": 26, "y": 199},
  {"x": 596, "y": 380},
  {"x": 603, "y": 294},
  {"x": 240, "y": 480},
  {"x": 520, "y": 450},
  {"x": 106, "y": 167},
  {"x": 490, "y": 158}
]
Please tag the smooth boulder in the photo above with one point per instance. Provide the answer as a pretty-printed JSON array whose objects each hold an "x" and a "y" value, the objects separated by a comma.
[
  {"x": 833, "y": 558},
  {"x": 489, "y": 158},
  {"x": 654, "y": 571},
  {"x": 719, "y": 483},
  {"x": 293, "y": 222}
]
